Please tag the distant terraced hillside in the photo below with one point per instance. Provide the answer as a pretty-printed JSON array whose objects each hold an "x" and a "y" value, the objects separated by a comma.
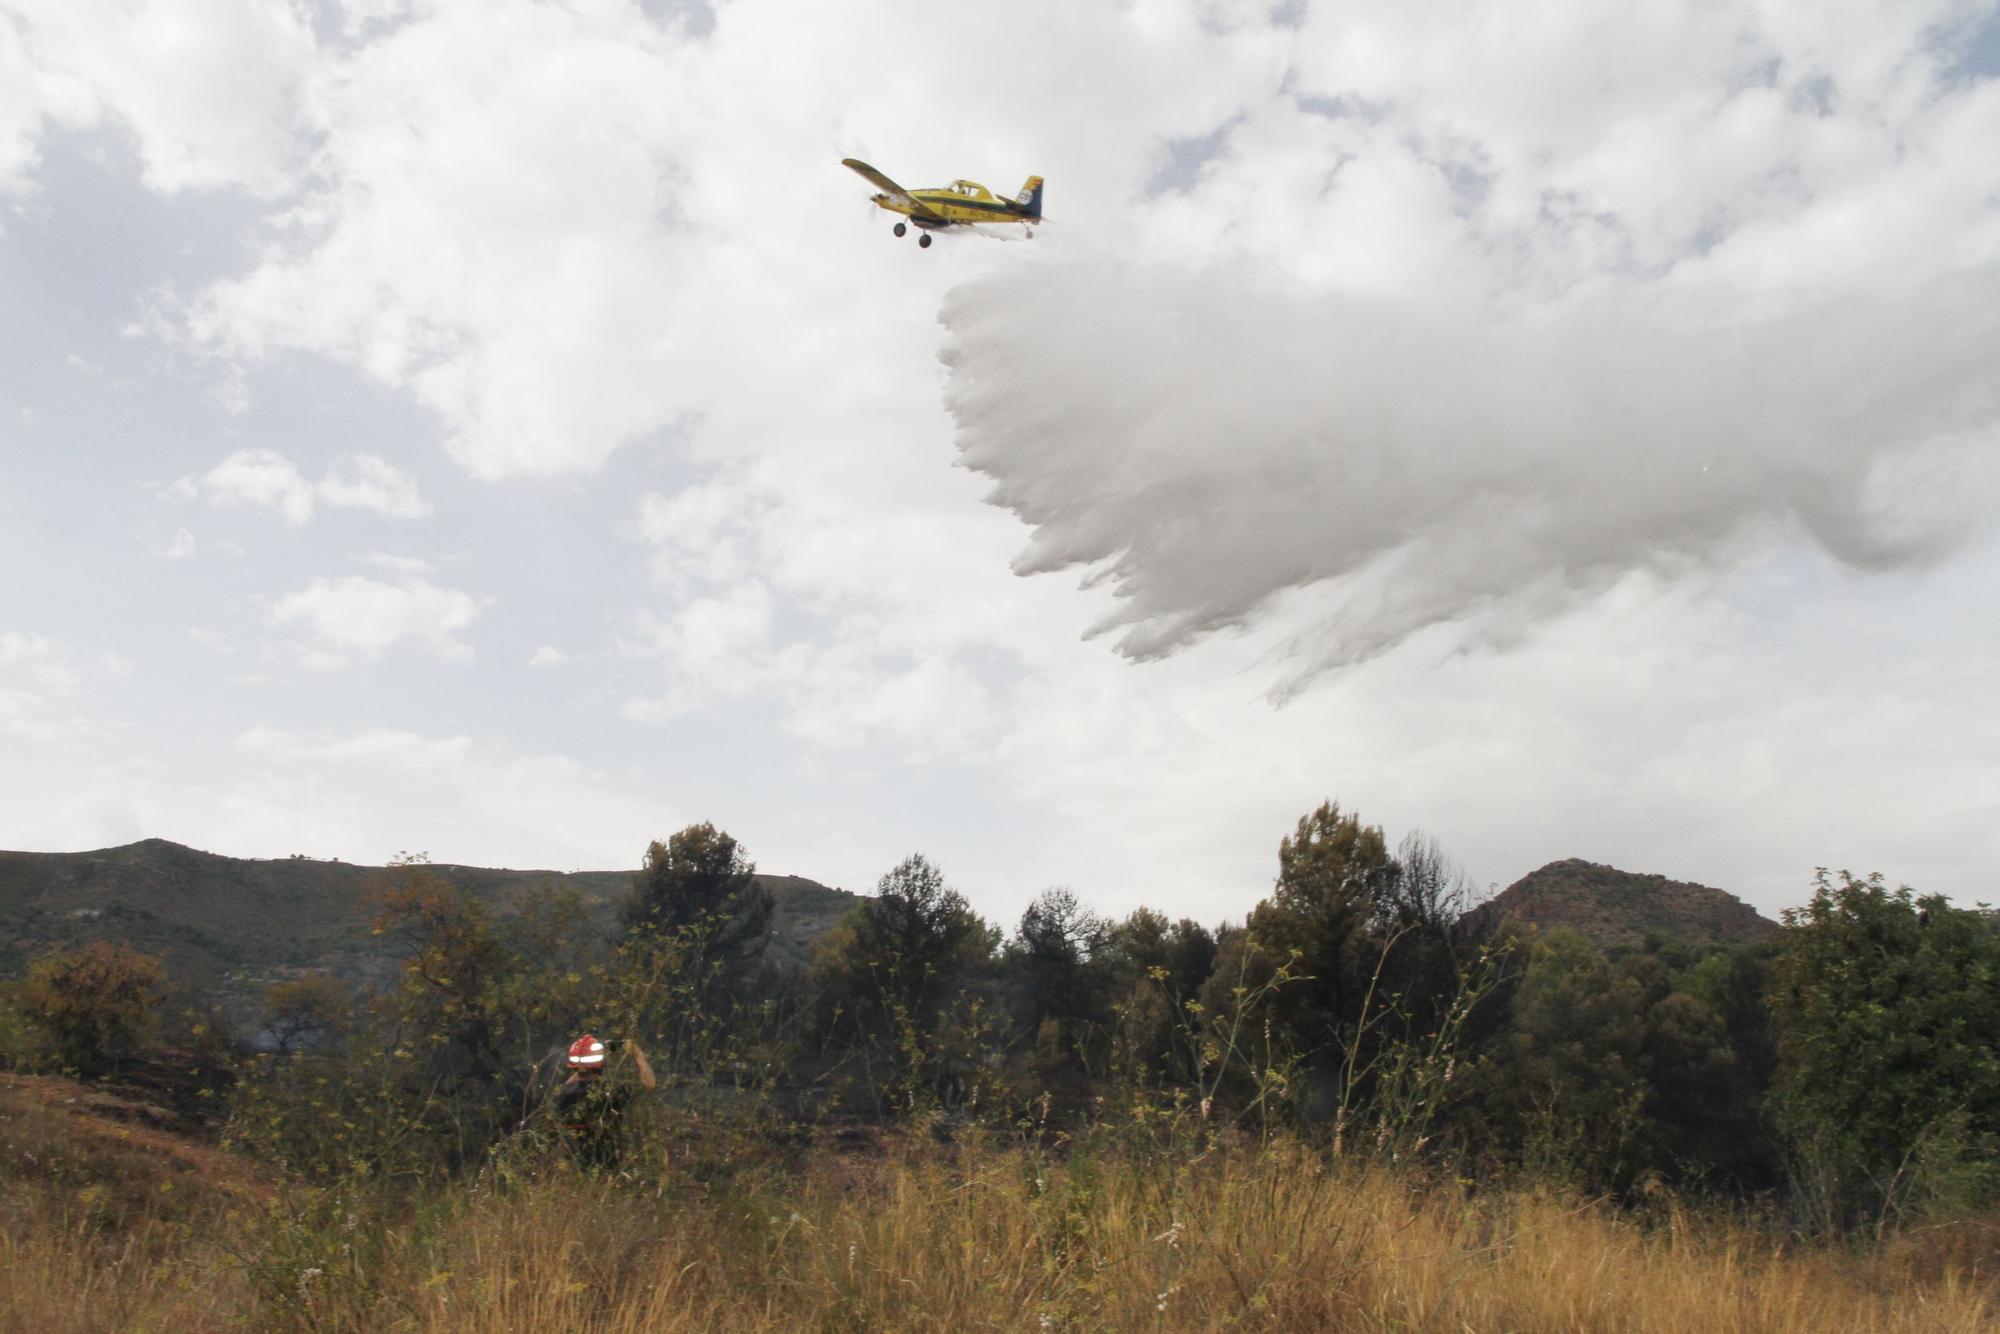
[
  {"x": 234, "y": 921},
  {"x": 1614, "y": 907}
]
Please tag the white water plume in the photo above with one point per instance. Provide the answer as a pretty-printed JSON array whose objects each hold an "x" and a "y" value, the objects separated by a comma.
[{"x": 1207, "y": 447}]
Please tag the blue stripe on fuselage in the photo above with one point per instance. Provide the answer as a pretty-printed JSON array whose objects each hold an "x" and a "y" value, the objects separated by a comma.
[{"x": 1011, "y": 212}]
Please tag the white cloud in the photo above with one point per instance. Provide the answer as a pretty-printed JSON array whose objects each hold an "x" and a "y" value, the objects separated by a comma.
[
  {"x": 382, "y": 560},
  {"x": 845, "y": 685},
  {"x": 547, "y": 656},
  {"x": 178, "y": 547},
  {"x": 930, "y": 707},
  {"x": 408, "y": 752},
  {"x": 31, "y": 96},
  {"x": 180, "y": 491},
  {"x": 265, "y": 479},
  {"x": 487, "y": 804},
  {"x": 703, "y": 534},
  {"x": 370, "y": 482},
  {"x": 38, "y": 657},
  {"x": 26, "y": 714},
  {"x": 455, "y": 145},
  {"x": 46, "y": 690},
  {"x": 422, "y": 257},
  {"x": 260, "y": 479},
  {"x": 711, "y": 647},
  {"x": 363, "y": 617},
  {"x": 210, "y": 89}
]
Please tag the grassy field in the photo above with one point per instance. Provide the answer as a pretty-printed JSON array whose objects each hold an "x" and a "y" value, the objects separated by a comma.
[{"x": 110, "y": 1223}]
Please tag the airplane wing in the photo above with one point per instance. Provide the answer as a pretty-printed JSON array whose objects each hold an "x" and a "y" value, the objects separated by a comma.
[{"x": 889, "y": 187}]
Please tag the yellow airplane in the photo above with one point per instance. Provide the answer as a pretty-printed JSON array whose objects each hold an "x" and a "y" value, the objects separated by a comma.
[{"x": 960, "y": 204}]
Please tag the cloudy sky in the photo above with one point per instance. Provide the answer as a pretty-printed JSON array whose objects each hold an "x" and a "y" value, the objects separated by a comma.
[{"x": 501, "y": 428}]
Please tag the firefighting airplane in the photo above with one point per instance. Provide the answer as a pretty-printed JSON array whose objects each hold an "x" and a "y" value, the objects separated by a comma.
[{"x": 960, "y": 204}]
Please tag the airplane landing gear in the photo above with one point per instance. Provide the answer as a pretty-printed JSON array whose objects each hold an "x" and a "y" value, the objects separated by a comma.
[
  {"x": 901, "y": 229},
  {"x": 925, "y": 240}
]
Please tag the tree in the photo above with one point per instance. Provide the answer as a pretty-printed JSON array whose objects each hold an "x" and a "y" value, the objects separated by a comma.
[
  {"x": 1888, "y": 1081},
  {"x": 459, "y": 978},
  {"x": 1155, "y": 968},
  {"x": 1419, "y": 918},
  {"x": 1577, "y": 1064},
  {"x": 1732, "y": 1129},
  {"x": 920, "y": 934},
  {"x": 98, "y": 1004},
  {"x": 437, "y": 1066},
  {"x": 1058, "y": 974},
  {"x": 1146, "y": 940},
  {"x": 1334, "y": 877},
  {"x": 892, "y": 965},
  {"x": 305, "y": 1012},
  {"x": 1699, "y": 1116},
  {"x": 699, "y": 891}
]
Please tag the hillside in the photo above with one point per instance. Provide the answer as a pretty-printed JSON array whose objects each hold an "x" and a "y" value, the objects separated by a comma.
[
  {"x": 234, "y": 921},
  {"x": 1615, "y": 907}
]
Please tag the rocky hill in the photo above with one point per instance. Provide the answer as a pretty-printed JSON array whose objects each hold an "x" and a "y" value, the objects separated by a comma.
[
  {"x": 234, "y": 922},
  {"x": 1615, "y": 907}
]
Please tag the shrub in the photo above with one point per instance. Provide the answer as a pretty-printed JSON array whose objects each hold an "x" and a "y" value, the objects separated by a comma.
[{"x": 98, "y": 1004}]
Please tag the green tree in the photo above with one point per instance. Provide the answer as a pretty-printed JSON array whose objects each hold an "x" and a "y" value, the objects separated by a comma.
[
  {"x": 917, "y": 938},
  {"x": 311, "y": 1010},
  {"x": 440, "y": 1064},
  {"x": 1698, "y": 1117},
  {"x": 23, "y": 1045},
  {"x": 1577, "y": 1064},
  {"x": 1886, "y": 1007},
  {"x": 99, "y": 1004},
  {"x": 1334, "y": 873},
  {"x": 1154, "y": 969},
  {"x": 901, "y": 977},
  {"x": 1057, "y": 973},
  {"x": 699, "y": 891},
  {"x": 1708, "y": 1045},
  {"x": 457, "y": 973}
]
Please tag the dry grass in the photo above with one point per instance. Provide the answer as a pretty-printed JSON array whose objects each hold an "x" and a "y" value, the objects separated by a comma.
[
  {"x": 99, "y": 1207},
  {"x": 918, "y": 1243},
  {"x": 926, "y": 1238}
]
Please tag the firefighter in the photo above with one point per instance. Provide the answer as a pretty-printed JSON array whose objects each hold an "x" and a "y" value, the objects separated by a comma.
[{"x": 591, "y": 1105}]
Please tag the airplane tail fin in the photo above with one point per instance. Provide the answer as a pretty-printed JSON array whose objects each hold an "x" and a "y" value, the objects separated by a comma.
[{"x": 1030, "y": 197}]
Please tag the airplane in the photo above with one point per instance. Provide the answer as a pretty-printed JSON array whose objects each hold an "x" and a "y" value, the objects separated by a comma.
[{"x": 960, "y": 204}]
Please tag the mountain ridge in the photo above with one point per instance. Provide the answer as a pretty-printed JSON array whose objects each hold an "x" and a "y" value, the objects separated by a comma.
[
  {"x": 1624, "y": 908},
  {"x": 233, "y": 924},
  {"x": 240, "y": 920}
]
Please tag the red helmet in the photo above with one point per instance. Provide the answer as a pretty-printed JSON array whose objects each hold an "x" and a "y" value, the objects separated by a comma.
[{"x": 586, "y": 1053}]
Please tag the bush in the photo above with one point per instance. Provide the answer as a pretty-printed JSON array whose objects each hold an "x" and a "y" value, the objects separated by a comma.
[
  {"x": 98, "y": 1004},
  {"x": 22, "y": 1047}
]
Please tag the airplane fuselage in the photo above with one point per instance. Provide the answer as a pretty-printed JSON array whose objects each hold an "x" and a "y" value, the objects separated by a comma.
[{"x": 936, "y": 210}]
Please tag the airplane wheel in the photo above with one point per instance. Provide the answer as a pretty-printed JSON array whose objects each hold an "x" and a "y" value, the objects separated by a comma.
[
  {"x": 924, "y": 240},
  {"x": 901, "y": 229},
  {"x": 1030, "y": 231}
]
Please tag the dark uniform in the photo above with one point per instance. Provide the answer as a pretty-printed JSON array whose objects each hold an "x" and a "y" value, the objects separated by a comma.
[{"x": 591, "y": 1113}]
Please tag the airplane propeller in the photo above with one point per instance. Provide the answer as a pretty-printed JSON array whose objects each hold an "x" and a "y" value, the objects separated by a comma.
[{"x": 877, "y": 214}]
